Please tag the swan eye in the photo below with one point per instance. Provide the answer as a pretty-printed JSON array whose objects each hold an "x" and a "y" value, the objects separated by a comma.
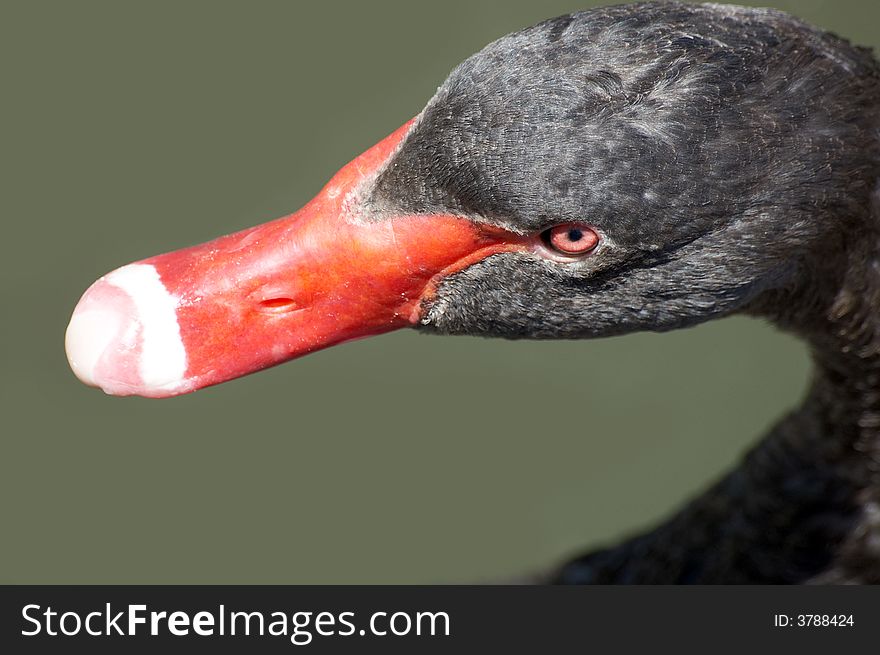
[{"x": 572, "y": 239}]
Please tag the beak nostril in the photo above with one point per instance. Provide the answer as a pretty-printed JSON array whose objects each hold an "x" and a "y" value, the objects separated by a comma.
[{"x": 278, "y": 304}]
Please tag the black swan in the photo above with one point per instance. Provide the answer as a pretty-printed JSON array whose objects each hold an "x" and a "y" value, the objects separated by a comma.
[{"x": 639, "y": 167}]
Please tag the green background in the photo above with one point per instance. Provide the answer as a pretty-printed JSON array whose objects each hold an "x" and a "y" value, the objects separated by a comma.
[{"x": 132, "y": 129}]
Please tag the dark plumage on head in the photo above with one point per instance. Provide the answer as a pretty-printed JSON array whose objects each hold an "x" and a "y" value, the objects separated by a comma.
[{"x": 717, "y": 149}]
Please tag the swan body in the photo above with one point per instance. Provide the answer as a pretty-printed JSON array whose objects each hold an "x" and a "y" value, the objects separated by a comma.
[{"x": 638, "y": 167}]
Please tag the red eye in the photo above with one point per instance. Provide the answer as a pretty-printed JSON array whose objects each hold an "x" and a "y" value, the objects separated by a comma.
[{"x": 572, "y": 239}]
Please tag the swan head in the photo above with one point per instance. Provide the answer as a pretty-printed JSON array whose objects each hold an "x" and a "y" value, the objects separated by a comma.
[{"x": 599, "y": 173}]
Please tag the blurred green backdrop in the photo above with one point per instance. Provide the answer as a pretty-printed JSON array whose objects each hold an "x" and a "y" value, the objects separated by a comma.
[{"x": 132, "y": 129}]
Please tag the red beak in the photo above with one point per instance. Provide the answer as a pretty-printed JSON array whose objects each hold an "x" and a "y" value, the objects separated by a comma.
[{"x": 188, "y": 319}]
